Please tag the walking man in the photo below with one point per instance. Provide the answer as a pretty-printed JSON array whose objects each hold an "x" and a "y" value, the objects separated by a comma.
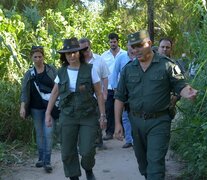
[
  {"x": 146, "y": 84},
  {"x": 110, "y": 57}
]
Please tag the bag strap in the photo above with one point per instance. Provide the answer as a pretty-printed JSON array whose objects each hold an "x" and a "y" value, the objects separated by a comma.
[{"x": 43, "y": 95}]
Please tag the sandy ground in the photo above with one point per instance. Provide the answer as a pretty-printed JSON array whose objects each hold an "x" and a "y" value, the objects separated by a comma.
[{"x": 115, "y": 163}]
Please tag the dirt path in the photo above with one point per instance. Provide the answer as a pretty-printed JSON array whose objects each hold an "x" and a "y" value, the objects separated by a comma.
[{"x": 115, "y": 163}]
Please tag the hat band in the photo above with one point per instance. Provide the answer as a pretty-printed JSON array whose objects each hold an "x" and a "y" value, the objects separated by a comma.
[{"x": 70, "y": 47}]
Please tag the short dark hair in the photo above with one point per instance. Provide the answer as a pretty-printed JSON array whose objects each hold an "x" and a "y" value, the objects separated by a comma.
[
  {"x": 84, "y": 40},
  {"x": 37, "y": 49},
  {"x": 113, "y": 36},
  {"x": 166, "y": 39}
]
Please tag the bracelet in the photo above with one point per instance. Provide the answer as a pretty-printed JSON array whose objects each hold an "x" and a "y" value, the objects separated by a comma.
[
  {"x": 103, "y": 115},
  {"x": 103, "y": 119}
]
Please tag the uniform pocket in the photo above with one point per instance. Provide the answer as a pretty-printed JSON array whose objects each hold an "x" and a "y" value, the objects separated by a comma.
[
  {"x": 62, "y": 86},
  {"x": 84, "y": 84},
  {"x": 159, "y": 80},
  {"x": 68, "y": 110},
  {"x": 133, "y": 81},
  {"x": 158, "y": 76}
]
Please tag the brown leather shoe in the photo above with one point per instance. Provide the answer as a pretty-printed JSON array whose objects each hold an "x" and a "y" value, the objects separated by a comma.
[
  {"x": 107, "y": 137},
  {"x": 127, "y": 145}
]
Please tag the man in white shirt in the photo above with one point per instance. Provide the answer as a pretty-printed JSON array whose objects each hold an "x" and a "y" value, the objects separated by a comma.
[
  {"x": 103, "y": 71},
  {"x": 110, "y": 57}
]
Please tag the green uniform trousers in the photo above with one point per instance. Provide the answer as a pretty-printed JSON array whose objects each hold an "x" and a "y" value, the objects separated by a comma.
[
  {"x": 151, "y": 140},
  {"x": 78, "y": 132}
]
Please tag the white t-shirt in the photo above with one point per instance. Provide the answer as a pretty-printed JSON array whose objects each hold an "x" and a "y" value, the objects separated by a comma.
[{"x": 73, "y": 75}]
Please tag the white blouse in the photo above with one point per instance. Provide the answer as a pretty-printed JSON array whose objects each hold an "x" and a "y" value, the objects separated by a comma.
[{"x": 73, "y": 75}]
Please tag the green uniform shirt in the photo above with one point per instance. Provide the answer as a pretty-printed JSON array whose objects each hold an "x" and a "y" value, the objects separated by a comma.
[{"x": 149, "y": 91}]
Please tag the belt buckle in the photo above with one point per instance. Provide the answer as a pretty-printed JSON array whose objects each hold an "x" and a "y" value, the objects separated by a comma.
[{"x": 148, "y": 115}]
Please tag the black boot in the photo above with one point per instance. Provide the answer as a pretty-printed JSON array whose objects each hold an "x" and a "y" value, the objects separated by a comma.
[
  {"x": 90, "y": 175},
  {"x": 48, "y": 168},
  {"x": 74, "y": 178}
]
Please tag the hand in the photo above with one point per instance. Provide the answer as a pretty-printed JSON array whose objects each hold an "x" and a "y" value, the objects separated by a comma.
[
  {"x": 189, "y": 93},
  {"x": 173, "y": 100},
  {"x": 22, "y": 112},
  {"x": 103, "y": 122},
  {"x": 118, "y": 133},
  {"x": 48, "y": 120}
]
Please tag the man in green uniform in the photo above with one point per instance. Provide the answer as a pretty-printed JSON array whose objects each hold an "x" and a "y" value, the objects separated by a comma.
[{"x": 146, "y": 84}]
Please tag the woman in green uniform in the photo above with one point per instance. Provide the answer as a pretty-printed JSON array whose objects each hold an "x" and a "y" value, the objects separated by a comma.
[{"x": 76, "y": 84}]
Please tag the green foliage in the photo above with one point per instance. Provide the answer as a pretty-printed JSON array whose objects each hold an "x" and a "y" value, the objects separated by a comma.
[
  {"x": 15, "y": 152},
  {"x": 33, "y": 16},
  {"x": 11, "y": 59},
  {"x": 11, "y": 125},
  {"x": 176, "y": 19},
  {"x": 190, "y": 133}
]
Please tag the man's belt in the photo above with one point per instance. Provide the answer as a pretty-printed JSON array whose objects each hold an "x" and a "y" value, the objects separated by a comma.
[
  {"x": 146, "y": 115},
  {"x": 110, "y": 89}
]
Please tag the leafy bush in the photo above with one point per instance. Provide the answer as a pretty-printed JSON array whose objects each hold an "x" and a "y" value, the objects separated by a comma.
[
  {"x": 12, "y": 127},
  {"x": 190, "y": 130}
]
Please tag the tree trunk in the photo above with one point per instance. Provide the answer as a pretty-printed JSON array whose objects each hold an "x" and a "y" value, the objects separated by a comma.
[
  {"x": 150, "y": 14},
  {"x": 110, "y": 6}
]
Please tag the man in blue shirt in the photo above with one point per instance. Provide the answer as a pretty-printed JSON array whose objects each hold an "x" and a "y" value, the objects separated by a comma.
[{"x": 121, "y": 61}]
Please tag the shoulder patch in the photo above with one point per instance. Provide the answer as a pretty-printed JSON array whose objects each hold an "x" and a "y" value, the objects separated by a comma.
[{"x": 177, "y": 69}]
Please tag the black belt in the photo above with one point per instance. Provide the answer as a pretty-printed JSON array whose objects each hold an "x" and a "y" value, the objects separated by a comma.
[{"x": 146, "y": 115}]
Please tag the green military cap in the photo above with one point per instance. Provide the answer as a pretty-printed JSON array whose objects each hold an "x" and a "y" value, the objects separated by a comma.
[{"x": 137, "y": 37}]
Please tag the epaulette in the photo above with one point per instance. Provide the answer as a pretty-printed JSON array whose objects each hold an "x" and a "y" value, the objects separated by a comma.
[
  {"x": 169, "y": 59},
  {"x": 176, "y": 68},
  {"x": 127, "y": 64}
]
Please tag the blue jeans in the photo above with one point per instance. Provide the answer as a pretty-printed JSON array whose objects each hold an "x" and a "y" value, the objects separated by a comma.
[
  {"x": 44, "y": 135},
  {"x": 127, "y": 127}
]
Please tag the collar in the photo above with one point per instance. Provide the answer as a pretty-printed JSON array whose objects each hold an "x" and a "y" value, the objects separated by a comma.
[
  {"x": 120, "y": 51},
  {"x": 155, "y": 59}
]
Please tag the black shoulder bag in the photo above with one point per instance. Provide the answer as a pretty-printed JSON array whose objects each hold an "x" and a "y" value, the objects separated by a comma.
[{"x": 45, "y": 93}]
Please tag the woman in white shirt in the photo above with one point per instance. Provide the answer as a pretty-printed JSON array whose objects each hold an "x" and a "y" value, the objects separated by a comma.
[{"x": 76, "y": 84}]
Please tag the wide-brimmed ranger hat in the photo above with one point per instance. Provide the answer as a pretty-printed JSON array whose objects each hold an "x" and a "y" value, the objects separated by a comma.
[
  {"x": 71, "y": 45},
  {"x": 137, "y": 37}
]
